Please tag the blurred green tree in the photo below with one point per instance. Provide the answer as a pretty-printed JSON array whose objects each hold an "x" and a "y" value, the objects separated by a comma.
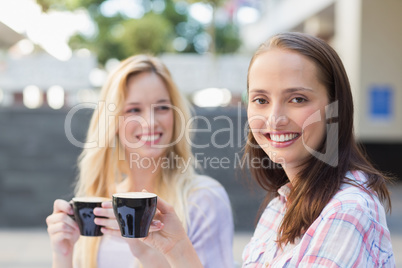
[
  {"x": 167, "y": 29},
  {"x": 227, "y": 38},
  {"x": 148, "y": 35},
  {"x": 211, "y": 29}
]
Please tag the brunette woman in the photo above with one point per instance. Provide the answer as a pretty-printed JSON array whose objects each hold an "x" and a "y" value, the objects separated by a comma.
[{"x": 329, "y": 205}]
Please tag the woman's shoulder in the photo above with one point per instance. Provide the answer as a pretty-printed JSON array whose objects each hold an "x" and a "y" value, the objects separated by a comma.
[
  {"x": 207, "y": 188},
  {"x": 355, "y": 187},
  {"x": 206, "y": 181},
  {"x": 355, "y": 197}
]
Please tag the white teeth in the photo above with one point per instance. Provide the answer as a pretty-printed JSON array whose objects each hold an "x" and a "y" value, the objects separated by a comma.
[
  {"x": 150, "y": 137},
  {"x": 282, "y": 137}
]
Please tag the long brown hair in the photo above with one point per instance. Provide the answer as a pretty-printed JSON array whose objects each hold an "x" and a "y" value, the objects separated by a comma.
[{"x": 318, "y": 181}]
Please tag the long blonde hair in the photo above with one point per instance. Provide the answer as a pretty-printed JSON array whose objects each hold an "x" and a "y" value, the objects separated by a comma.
[{"x": 102, "y": 164}]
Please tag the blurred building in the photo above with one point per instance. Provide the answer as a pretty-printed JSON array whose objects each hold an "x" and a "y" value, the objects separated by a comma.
[
  {"x": 39, "y": 79},
  {"x": 210, "y": 81}
]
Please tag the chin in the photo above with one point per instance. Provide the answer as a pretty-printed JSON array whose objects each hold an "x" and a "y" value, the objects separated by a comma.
[{"x": 153, "y": 153}]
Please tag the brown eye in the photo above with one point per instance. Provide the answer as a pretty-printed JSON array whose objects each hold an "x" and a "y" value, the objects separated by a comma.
[
  {"x": 260, "y": 101},
  {"x": 298, "y": 100}
]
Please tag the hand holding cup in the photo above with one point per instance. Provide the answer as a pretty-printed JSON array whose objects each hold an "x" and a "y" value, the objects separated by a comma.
[
  {"x": 168, "y": 236},
  {"x": 84, "y": 214},
  {"x": 62, "y": 229}
]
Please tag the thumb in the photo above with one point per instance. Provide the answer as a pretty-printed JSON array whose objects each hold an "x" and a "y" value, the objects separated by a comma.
[{"x": 162, "y": 205}]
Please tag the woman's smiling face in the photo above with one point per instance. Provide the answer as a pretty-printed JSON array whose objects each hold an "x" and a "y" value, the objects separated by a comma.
[
  {"x": 284, "y": 95},
  {"x": 147, "y": 129}
]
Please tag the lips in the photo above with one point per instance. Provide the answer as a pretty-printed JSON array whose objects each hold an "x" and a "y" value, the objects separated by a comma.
[
  {"x": 282, "y": 139},
  {"x": 149, "y": 137}
]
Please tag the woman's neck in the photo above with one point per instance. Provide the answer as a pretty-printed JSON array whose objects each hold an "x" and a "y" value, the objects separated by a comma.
[
  {"x": 291, "y": 173},
  {"x": 141, "y": 178}
]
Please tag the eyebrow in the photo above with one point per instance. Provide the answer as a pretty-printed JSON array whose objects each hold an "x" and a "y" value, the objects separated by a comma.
[
  {"x": 287, "y": 91},
  {"x": 158, "y": 102}
]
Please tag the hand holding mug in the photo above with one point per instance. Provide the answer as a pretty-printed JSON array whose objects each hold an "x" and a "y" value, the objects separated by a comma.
[
  {"x": 133, "y": 214},
  {"x": 106, "y": 219},
  {"x": 84, "y": 214},
  {"x": 62, "y": 229},
  {"x": 166, "y": 229},
  {"x": 168, "y": 236}
]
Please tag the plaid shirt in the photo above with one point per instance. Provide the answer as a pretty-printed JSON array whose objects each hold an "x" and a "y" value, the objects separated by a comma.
[{"x": 351, "y": 231}]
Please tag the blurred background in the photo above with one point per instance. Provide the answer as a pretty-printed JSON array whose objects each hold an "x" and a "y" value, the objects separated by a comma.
[{"x": 56, "y": 54}]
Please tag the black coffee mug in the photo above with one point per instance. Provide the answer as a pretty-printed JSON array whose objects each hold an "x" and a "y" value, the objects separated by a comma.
[
  {"x": 84, "y": 214},
  {"x": 134, "y": 212}
]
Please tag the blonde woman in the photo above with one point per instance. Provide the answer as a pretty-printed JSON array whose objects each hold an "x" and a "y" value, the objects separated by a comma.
[{"x": 140, "y": 129}]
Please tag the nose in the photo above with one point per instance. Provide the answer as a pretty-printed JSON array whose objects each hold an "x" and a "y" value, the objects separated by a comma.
[
  {"x": 277, "y": 117},
  {"x": 149, "y": 121}
]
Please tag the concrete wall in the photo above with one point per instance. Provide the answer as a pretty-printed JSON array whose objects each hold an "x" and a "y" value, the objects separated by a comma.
[{"x": 37, "y": 164}]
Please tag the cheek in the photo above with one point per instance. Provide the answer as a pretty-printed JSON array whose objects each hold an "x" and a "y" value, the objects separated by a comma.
[
  {"x": 315, "y": 130},
  {"x": 128, "y": 129},
  {"x": 256, "y": 121},
  {"x": 307, "y": 117},
  {"x": 313, "y": 125},
  {"x": 167, "y": 121}
]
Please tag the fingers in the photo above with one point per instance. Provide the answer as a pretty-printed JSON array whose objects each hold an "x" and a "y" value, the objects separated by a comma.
[
  {"x": 63, "y": 218},
  {"x": 62, "y": 206},
  {"x": 60, "y": 236},
  {"x": 104, "y": 212},
  {"x": 107, "y": 204},
  {"x": 108, "y": 223},
  {"x": 109, "y": 219},
  {"x": 111, "y": 231},
  {"x": 156, "y": 226},
  {"x": 63, "y": 232},
  {"x": 62, "y": 241},
  {"x": 60, "y": 224},
  {"x": 61, "y": 227},
  {"x": 163, "y": 206}
]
